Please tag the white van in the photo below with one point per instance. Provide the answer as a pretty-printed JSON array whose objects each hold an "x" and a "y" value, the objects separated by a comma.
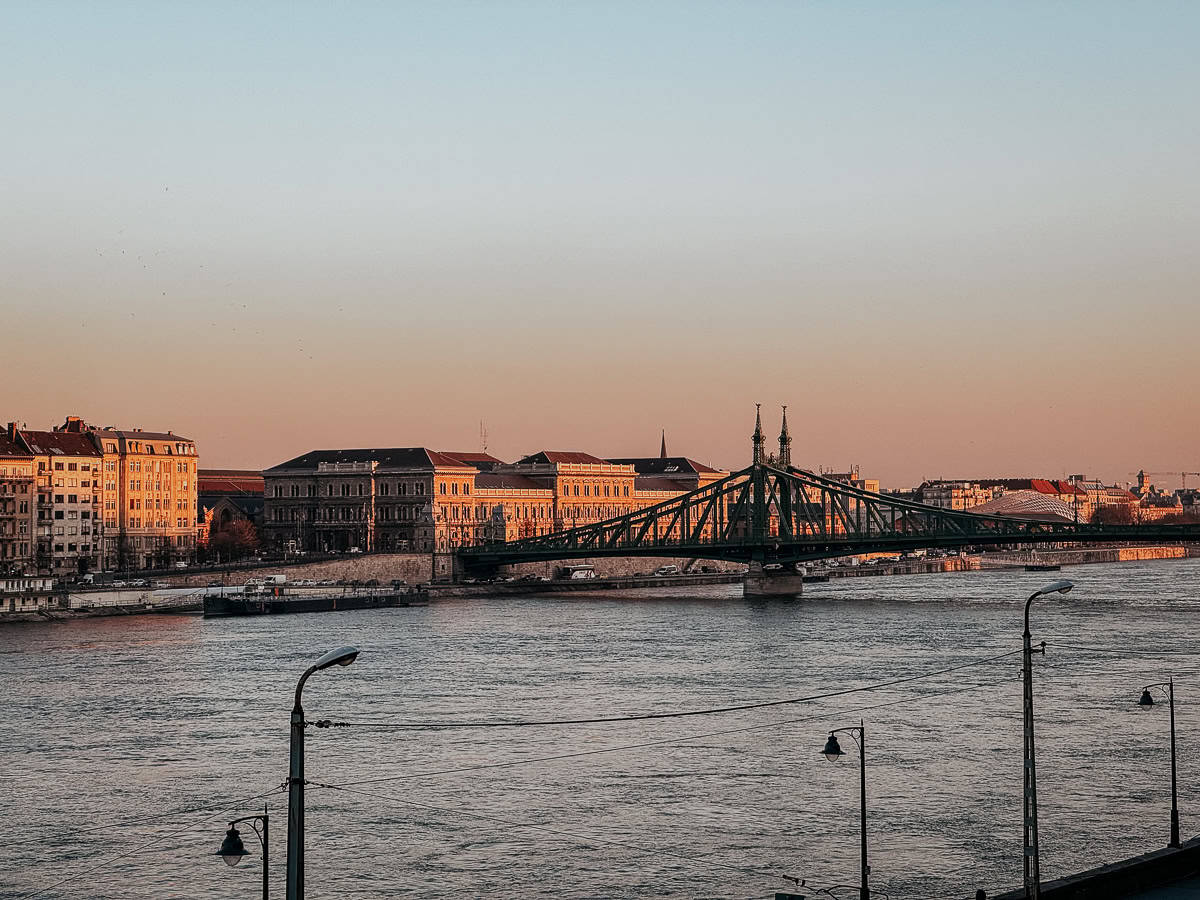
[
  {"x": 666, "y": 570},
  {"x": 577, "y": 573}
]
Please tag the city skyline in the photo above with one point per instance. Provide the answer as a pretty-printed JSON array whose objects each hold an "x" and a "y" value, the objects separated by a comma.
[
  {"x": 954, "y": 240},
  {"x": 1162, "y": 478}
]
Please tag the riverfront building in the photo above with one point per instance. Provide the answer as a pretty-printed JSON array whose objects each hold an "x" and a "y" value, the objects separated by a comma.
[
  {"x": 417, "y": 499},
  {"x": 100, "y": 499},
  {"x": 18, "y": 499},
  {"x": 70, "y": 498},
  {"x": 150, "y": 496}
]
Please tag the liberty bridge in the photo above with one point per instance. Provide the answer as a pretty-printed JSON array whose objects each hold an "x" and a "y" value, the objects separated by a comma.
[{"x": 772, "y": 515}]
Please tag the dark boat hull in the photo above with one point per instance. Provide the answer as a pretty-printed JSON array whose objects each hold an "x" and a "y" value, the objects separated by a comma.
[{"x": 267, "y": 605}]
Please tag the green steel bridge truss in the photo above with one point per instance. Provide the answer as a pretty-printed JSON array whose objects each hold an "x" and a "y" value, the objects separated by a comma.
[{"x": 775, "y": 515}]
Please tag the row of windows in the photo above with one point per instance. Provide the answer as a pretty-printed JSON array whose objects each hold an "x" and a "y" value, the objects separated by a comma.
[
  {"x": 180, "y": 522},
  {"x": 136, "y": 503},
  {"x": 358, "y": 489},
  {"x": 59, "y": 466},
  {"x": 181, "y": 468},
  {"x": 73, "y": 498},
  {"x": 593, "y": 490},
  {"x": 136, "y": 447}
]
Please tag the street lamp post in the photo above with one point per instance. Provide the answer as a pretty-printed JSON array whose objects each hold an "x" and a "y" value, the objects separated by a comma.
[
  {"x": 1147, "y": 700},
  {"x": 833, "y": 752},
  {"x": 232, "y": 849},
  {"x": 295, "y": 844},
  {"x": 1033, "y": 883}
]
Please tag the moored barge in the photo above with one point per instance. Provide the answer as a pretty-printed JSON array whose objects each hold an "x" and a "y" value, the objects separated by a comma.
[{"x": 279, "y": 603}]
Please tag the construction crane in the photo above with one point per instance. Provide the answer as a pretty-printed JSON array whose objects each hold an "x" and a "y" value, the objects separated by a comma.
[{"x": 1183, "y": 476}]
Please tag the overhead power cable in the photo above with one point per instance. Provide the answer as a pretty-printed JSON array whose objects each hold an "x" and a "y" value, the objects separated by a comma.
[
  {"x": 663, "y": 742},
  {"x": 712, "y": 711}
]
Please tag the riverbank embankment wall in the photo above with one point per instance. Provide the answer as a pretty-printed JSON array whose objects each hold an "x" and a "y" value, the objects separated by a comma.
[{"x": 1080, "y": 556}]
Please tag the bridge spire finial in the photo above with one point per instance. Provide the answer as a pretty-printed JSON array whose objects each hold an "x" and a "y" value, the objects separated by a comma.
[
  {"x": 785, "y": 443},
  {"x": 757, "y": 437}
]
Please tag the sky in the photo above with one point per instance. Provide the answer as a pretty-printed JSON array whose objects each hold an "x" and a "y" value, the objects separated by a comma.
[{"x": 957, "y": 239}]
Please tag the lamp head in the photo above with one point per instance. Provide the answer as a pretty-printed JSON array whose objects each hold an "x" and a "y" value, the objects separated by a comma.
[
  {"x": 1058, "y": 587},
  {"x": 1146, "y": 699},
  {"x": 232, "y": 849},
  {"x": 833, "y": 749},
  {"x": 342, "y": 656}
]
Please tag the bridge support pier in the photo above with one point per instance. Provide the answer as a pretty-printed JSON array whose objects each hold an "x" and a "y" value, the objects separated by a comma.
[{"x": 759, "y": 583}]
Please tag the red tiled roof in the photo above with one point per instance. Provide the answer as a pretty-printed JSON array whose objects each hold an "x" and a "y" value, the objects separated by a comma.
[
  {"x": 561, "y": 456},
  {"x": 229, "y": 481},
  {"x": 60, "y": 443},
  {"x": 12, "y": 448},
  {"x": 1041, "y": 485},
  {"x": 470, "y": 457}
]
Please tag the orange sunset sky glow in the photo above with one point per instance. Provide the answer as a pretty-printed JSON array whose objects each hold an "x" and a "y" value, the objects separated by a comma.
[{"x": 955, "y": 241}]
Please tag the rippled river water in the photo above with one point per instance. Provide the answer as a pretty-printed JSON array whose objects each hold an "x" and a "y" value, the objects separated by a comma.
[{"x": 110, "y": 727}]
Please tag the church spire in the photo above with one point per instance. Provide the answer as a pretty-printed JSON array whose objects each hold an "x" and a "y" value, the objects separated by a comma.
[
  {"x": 662, "y": 453},
  {"x": 785, "y": 443},
  {"x": 757, "y": 437}
]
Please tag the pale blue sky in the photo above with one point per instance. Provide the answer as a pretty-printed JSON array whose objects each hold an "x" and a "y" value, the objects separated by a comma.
[{"x": 582, "y": 222}]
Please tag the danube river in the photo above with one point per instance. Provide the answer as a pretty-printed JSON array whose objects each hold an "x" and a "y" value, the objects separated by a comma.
[{"x": 110, "y": 727}]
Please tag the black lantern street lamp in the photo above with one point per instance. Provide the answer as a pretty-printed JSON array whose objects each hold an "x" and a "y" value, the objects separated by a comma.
[
  {"x": 1145, "y": 701},
  {"x": 833, "y": 752},
  {"x": 1033, "y": 880},
  {"x": 232, "y": 849},
  {"x": 295, "y": 845}
]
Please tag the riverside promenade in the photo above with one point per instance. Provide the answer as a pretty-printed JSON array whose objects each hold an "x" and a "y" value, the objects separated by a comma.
[{"x": 1166, "y": 874}]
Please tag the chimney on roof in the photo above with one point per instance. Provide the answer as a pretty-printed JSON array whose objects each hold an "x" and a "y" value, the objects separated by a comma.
[
  {"x": 12, "y": 431},
  {"x": 74, "y": 424}
]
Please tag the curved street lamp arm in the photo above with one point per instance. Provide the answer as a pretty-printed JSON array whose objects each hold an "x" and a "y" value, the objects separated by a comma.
[
  {"x": 253, "y": 820},
  {"x": 296, "y": 707},
  {"x": 855, "y": 731}
]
